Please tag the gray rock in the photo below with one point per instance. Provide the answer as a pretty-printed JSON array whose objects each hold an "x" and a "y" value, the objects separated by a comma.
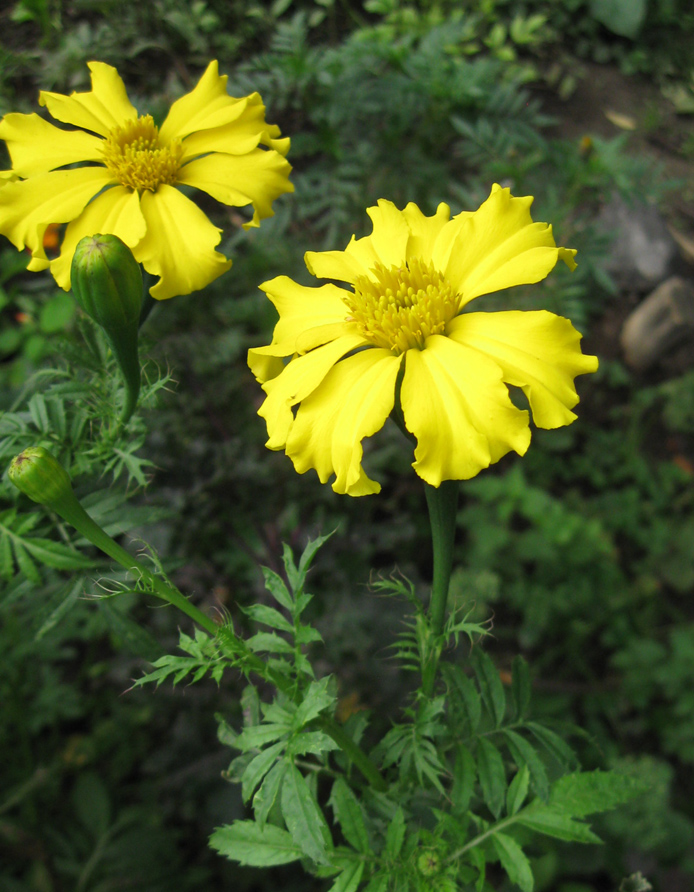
[
  {"x": 643, "y": 253},
  {"x": 659, "y": 323}
]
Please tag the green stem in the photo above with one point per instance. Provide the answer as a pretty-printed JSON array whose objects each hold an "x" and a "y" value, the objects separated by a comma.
[
  {"x": 354, "y": 753},
  {"x": 71, "y": 511},
  {"x": 442, "y": 502}
]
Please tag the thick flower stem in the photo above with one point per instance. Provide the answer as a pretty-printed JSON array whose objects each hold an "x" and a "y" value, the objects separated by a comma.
[
  {"x": 75, "y": 515},
  {"x": 442, "y": 502}
]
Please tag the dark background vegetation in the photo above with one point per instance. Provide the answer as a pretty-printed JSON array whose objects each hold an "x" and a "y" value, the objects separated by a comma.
[{"x": 583, "y": 552}]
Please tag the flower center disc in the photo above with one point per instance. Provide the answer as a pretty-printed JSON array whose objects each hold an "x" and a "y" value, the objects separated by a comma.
[
  {"x": 403, "y": 306},
  {"x": 133, "y": 154}
]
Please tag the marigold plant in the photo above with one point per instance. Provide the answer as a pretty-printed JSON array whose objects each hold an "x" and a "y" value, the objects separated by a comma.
[
  {"x": 127, "y": 184},
  {"x": 402, "y": 341}
]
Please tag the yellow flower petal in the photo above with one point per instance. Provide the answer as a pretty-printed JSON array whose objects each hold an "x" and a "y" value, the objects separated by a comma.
[
  {"x": 179, "y": 244},
  {"x": 499, "y": 246},
  {"x": 387, "y": 245},
  {"x": 116, "y": 211},
  {"x": 208, "y": 105},
  {"x": 257, "y": 177},
  {"x": 424, "y": 231},
  {"x": 353, "y": 402},
  {"x": 297, "y": 381},
  {"x": 245, "y": 129},
  {"x": 106, "y": 106},
  {"x": 456, "y": 405},
  {"x": 27, "y": 207},
  {"x": 537, "y": 351},
  {"x": 302, "y": 309},
  {"x": 35, "y": 146}
]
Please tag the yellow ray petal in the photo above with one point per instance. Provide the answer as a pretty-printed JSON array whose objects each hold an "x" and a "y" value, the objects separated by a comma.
[
  {"x": 179, "y": 244},
  {"x": 499, "y": 246},
  {"x": 27, "y": 207},
  {"x": 301, "y": 309},
  {"x": 115, "y": 211},
  {"x": 207, "y": 105},
  {"x": 256, "y": 178},
  {"x": 353, "y": 402},
  {"x": 387, "y": 245},
  {"x": 106, "y": 106},
  {"x": 298, "y": 379},
  {"x": 424, "y": 231},
  {"x": 244, "y": 130},
  {"x": 340, "y": 265},
  {"x": 36, "y": 146},
  {"x": 537, "y": 351},
  {"x": 456, "y": 405}
]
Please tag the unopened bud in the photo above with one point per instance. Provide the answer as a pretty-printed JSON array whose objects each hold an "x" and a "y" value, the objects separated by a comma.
[
  {"x": 39, "y": 475},
  {"x": 107, "y": 284}
]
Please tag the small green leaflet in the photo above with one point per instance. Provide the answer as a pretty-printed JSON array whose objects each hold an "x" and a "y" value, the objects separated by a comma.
[
  {"x": 349, "y": 815},
  {"x": 395, "y": 834},
  {"x": 490, "y": 685},
  {"x": 349, "y": 879},
  {"x": 303, "y": 817},
  {"x": 258, "y": 768},
  {"x": 517, "y": 791},
  {"x": 513, "y": 861},
  {"x": 492, "y": 775},
  {"x": 316, "y": 700},
  {"x": 265, "y": 798},
  {"x": 255, "y": 846}
]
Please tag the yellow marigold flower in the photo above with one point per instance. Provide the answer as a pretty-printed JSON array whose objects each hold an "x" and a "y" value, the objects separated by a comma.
[
  {"x": 403, "y": 332},
  {"x": 128, "y": 185}
]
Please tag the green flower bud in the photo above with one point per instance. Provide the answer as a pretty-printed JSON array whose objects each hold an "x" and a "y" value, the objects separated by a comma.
[
  {"x": 428, "y": 863},
  {"x": 107, "y": 284},
  {"x": 39, "y": 475}
]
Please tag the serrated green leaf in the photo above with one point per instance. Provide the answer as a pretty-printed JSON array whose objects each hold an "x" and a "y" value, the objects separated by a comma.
[
  {"x": 25, "y": 563},
  {"x": 464, "y": 774},
  {"x": 307, "y": 635},
  {"x": 309, "y": 552},
  {"x": 257, "y": 736},
  {"x": 378, "y": 883},
  {"x": 269, "y": 642},
  {"x": 275, "y": 585},
  {"x": 590, "y": 792},
  {"x": 465, "y": 693},
  {"x": 555, "y": 745},
  {"x": 317, "y": 698},
  {"x": 524, "y": 753},
  {"x": 265, "y": 798},
  {"x": 250, "y": 704},
  {"x": 492, "y": 776},
  {"x": 6, "y": 560},
  {"x": 55, "y": 554},
  {"x": 520, "y": 687},
  {"x": 517, "y": 791},
  {"x": 39, "y": 413},
  {"x": 349, "y": 815},
  {"x": 490, "y": 685},
  {"x": 550, "y": 822},
  {"x": 513, "y": 861},
  {"x": 315, "y": 742},
  {"x": 395, "y": 834},
  {"x": 293, "y": 575},
  {"x": 258, "y": 768},
  {"x": 268, "y": 616},
  {"x": 255, "y": 846},
  {"x": 304, "y": 818},
  {"x": 349, "y": 879}
]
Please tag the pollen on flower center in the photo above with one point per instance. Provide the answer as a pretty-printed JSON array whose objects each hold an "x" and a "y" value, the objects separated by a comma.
[
  {"x": 402, "y": 306},
  {"x": 135, "y": 156}
]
